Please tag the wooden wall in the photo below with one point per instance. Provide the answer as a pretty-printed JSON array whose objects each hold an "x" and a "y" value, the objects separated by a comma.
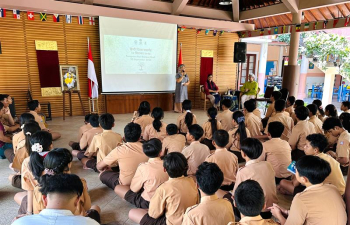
[{"x": 18, "y": 62}]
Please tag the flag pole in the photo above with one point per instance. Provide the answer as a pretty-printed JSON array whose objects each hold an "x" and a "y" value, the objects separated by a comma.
[{"x": 93, "y": 103}]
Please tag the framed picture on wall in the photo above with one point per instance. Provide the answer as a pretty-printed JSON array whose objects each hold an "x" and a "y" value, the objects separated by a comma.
[{"x": 69, "y": 78}]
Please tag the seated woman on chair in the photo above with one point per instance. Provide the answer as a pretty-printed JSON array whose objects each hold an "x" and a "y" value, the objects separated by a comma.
[
  {"x": 211, "y": 90},
  {"x": 249, "y": 89}
]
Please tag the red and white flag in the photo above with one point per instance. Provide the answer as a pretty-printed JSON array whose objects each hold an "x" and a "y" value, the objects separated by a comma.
[
  {"x": 30, "y": 15},
  {"x": 179, "y": 62},
  {"x": 93, "y": 84}
]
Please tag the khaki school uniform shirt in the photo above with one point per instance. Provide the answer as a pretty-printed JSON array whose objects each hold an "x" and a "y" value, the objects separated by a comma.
[
  {"x": 173, "y": 198},
  {"x": 102, "y": 144},
  {"x": 83, "y": 129},
  {"x": 149, "y": 175},
  {"x": 256, "y": 220},
  {"x": 227, "y": 162},
  {"x": 128, "y": 156},
  {"x": 28, "y": 181},
  {"x": 263, "y": 173},
  {"x": 16, "y": 139},
  {"x": 150, "y": 132},
  {"x": 87, "y": 137},
  {"x": 143, "y": 121},
  {"x": 225, "y": 118},
  {"x": 234, "y": 143},
  {"x": 343, "y": 145},
  {"x": 317, "y": 123},
  {"x": 270, "y": 110},
  {"x": 336, "y": 177},
  {"x": 254, "y": 124},
  {"x": 319, "y": 204},
  {"x": 278, "y": 153},
  {"x": 294, "y": 117},
  {"x": 290, "y": 110},
  {"x": 211, "y": 210},
  {"x": 195, "y": 153},
  {"x": 286, "y": 121},
  {"x": 257, "y": 112},
  {"x": 38, "y": 119},
  {"x": 181, "y": 122},
  {"x": 208, "y": 132},
  {"x": 331, "y": 139},
  {"x": 20, "y": 156},
  {"x": 174, "y": 143},
  {"x": 299, "y": 134}
]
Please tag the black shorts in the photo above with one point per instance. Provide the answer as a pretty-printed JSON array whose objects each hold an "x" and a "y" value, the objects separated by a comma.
[
  {"x": 93, "y": 214},
  {"x": 147, "y": 220},
  {"x": 81, "y": 155},
  {"x": 91, "y": 163},
  {"x": 227, "y": 187},
  {"x": 136, "y": 199},
  {"x": 110, "y": 178},
  {"x": 16, "y": 181}
]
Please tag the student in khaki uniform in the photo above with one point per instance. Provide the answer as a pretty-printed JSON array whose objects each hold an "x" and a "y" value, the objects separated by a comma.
[
  {"x": 187, "y": 118},
  {"x": 5, "y": 141},
  {"x": 87, "y": 126},
  {"x": 35, "y": 108},
  {"x": 277, "y": 151},
  {"x": 334, "y": 126},
  {"x": 209, "y": 179},
  {"x": 314, "y": 119},
  {"x": 142, "y": 117},
  {"x": 271, "y": 109},
  {"x": 7, "y": 119},
  {"x": 227, "y": 161},
  {"x": 148, "y": 177},
  {"x": 296, "y": 105},
  {"x": 196, "y": 152},
  {"x": 319, "y": 203},
  {"x": 345, "y": 106},
  {"x": 250, "y": 201},
  {"x": 225, "y": 117},
  {"x": 102, "y": 144},
  {"x": 171, "y": 198},
  {"x": 174, "y": 142},
  {"x": 157, "y": 129},
  {"x": 252, "y": 122},
  {"x": 297, "y": 139},
  {"x": 128, "y": 156},
  {"x": 320, "y": 111},
  {"x": 209, "y": 128},
  {"x": 345, "y": 120},
  {"x": 290, "y": 105}
]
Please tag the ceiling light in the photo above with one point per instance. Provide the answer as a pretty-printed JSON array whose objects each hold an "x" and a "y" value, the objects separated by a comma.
[{"x": 225, "y": 2}]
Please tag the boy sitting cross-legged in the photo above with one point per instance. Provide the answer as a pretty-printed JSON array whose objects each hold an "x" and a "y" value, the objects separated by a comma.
[{"x": 174, "y": 142}]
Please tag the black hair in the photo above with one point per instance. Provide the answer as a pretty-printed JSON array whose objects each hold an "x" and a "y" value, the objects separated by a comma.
[
  {"x": 331, "y": 123},
  {"x": 276, "y": 95},
  {"x": 227, "y": 103},
  {"x": 249, "y": 198},
  {"x": 43, "y": 138},
  {"x": 315, "y": 169},
  {"x": 33, "y": 104},
  {"x": 132, "y": 132},
  {"x": 299, "y": 103},
  {"x": 319, "y": 106},
  {"x": 196, "y": 131},
  {"x": 301, "y": 112},
  {"x": 172, "y": 129},
  {"x": 68, "y": 184},
  {"x": 1, "y": 105},
  {"x": 312, "y": 108},
  {"x": 291, "y": 100},
  {"x": 175, "y": 164},
  {"x": 212, "y": 112},
  {"x": 144, "y": 108},
  {"x": 221, "y": 138},
  {"x": 93, "y": 120},
  {"x": 25, "y": 118},
  {"x": 209, "y": 177},
  {"x": 157, "y": 114},
  {"x": 87, "y": 118},
  {"x": 280, "y": 104},
  {"x": 249, "y": 105},
  {"x": 187, "y": 105},
  {"x": 252, "y": 147},
  {"x": 29, "y": 129},
  {"x": 276, "y": 129},
  {"x": 3, "y": 97},
  {"x": 346, "y": 104},
  {"x": 106, "y": 121},
  {"x": 238, "y": 115},
  {"x": 345, "y": 120},
  {"x": 152, "y": 148},
  {"x": 332, "y": 110},
  {"x": 318, "y": 141}
]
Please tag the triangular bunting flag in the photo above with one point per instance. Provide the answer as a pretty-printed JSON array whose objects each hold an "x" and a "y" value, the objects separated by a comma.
[
  {"x": 315, "y": 25},
  {"x": 30, "y": 15},
  {"x": 335, "y": 22},
  {"x": 68, "y": 19},
  {"x": 80, "y": 20},
  {"x": 16, "y": 14},
  {"x": 92, "y": 20},
  {"x": 262, "y": 31},
  {"x": 346, "y": 21},
  {"x": 221, "y": 33},
  {"x": 269, "y": 31},
  {"x": 297, "y": 28},
  {"x": 249, "y": 33},
  {"x": 215, "y": 32},
  {"x": 2, "y": 12},
  {"x": 207, "y": 32},
  {"x": 275, "y": 31},
  {"x": 43, "y": 16},
  {"x": 306, "y": 26},
  {"x": 56, "y": 18},
  {"x": 325, "y": 24}
]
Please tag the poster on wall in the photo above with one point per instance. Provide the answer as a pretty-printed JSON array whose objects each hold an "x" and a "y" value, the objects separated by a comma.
[{"x": 69, "y": 78}]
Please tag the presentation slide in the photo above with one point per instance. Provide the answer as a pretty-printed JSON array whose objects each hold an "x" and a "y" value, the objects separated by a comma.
[{"x": 137, "y": 56}]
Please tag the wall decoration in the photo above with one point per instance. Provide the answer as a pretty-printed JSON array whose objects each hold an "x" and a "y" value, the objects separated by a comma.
[{"x": 69, "y": 78}]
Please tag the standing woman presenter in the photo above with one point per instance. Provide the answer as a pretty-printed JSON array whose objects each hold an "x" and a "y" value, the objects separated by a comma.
[{"x": 182, "y": 81}]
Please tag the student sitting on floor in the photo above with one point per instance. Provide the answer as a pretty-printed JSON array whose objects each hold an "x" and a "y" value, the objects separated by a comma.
[
  {"x": 237, "y": 135},
  {"x": 345, "y": 106},
  {"x": 271, "y": 109},
  {"x": 171, "y": 198},
  {"x": 260, "y": 171},
  {"x": 297, "y": 139},
  {"x": 314, "y": 119},
  {"x": 334, "y": 126},
  {"x": 277, "y": 151},
  {"x": 252, "y": 122},
  {"x": 345, "y": 120},
  {"x": 331, "y": 111},
  {"x": 148, "y": 177},
  {"x": 250, "y": 201},
  {"x": 6, "y": 118},
  {"x": 5, "y": 142},
  {"x": 173, "y": 142},
  {"x": 256, "y": 111},
  {"x": 102, "y": 144},
  {"x": 187, "y": 118},
  {"x": 128, "y": 156},
  {"x": 225, "y": 117},
  {"x": 296, "y": 105},
  {"x": 141, "y": 116},
  {"x": 87, "y": 126},
  {"x": 319, "y": 203},
  {"x": 158, "y": 128},
  {"x": 227, "y": 161},
  {"x": 209, "y": 179},
  {"x": 316, "y": 145},
  {"x": 196, "y": 152},
  {"x": 60, "y": 195},
  {"x": 290, "y": 105},
  {"x": 209, "y": 128},
  {"x": 320, "y": 112}
]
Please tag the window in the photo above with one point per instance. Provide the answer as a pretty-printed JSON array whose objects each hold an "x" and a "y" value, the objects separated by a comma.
[{"x": 247, "y": 67}]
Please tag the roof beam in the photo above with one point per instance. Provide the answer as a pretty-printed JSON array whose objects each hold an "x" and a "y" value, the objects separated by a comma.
[
  {"x": 178, "y": 6},
  {"x": 292, "y": 5},
  {"x": 202, "y": 12},
  {"x": 235, "y": 10},
  {"x": 310, "y": 4},
  {"x": 89, "y": 2},
  {"x": 273, "y": 10}
]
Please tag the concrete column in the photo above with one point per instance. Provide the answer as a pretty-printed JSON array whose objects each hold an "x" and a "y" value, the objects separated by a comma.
[
  {"x": 329, "y": 84},
  {"x": 262, "y": 66},
  {"x": 302, "y": 78},
  {"x": 280, "y": 61},
  {"x": 291, "y": 72}
]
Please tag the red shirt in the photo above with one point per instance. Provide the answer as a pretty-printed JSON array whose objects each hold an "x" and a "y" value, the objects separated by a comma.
[{"x": 211, "y": 86}]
